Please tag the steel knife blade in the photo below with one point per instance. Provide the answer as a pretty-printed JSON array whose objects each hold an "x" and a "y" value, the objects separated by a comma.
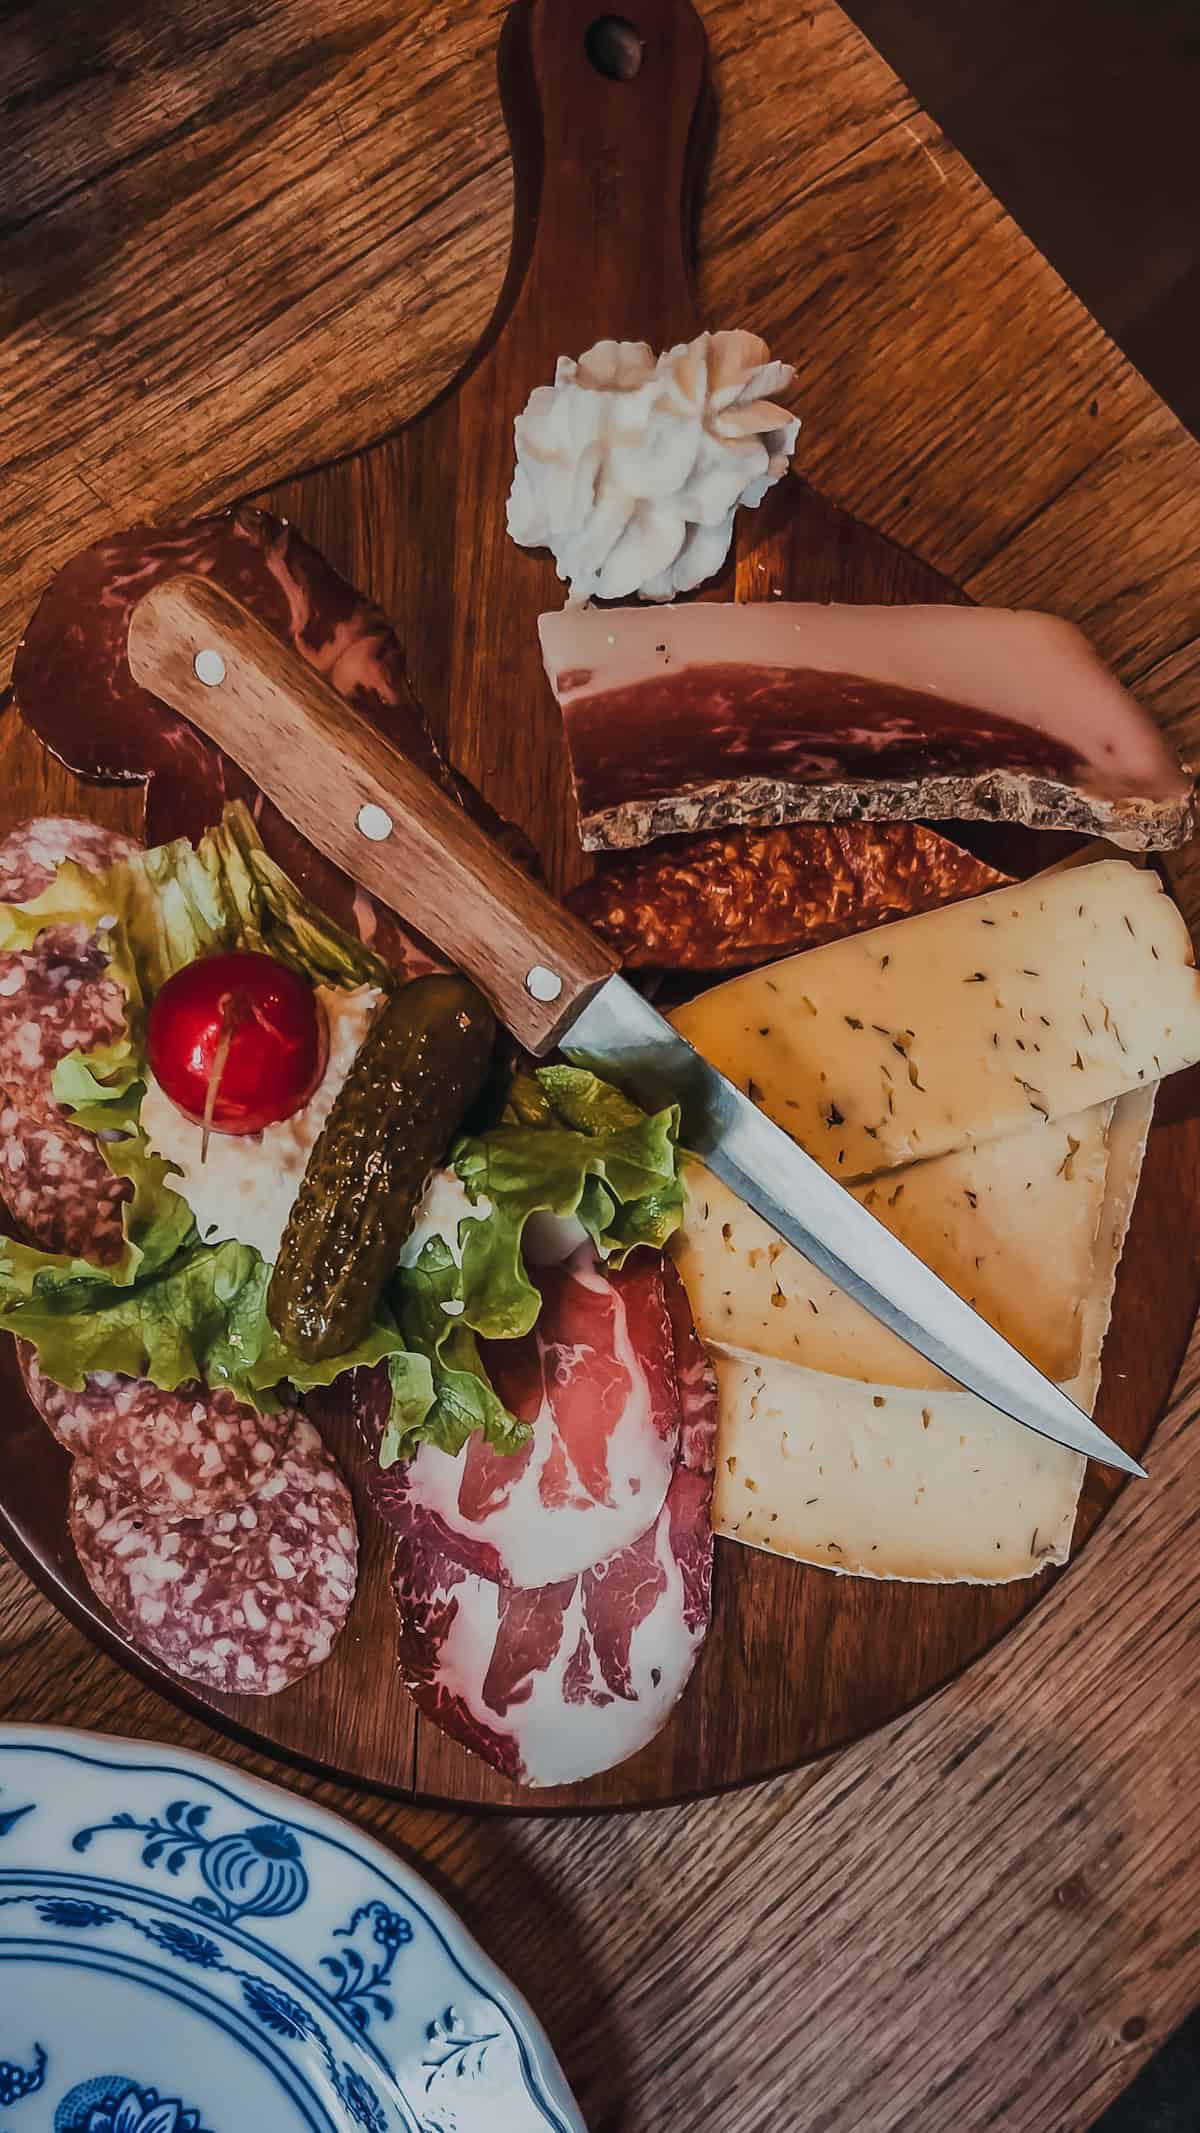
[{"x": 358, "y": 800}]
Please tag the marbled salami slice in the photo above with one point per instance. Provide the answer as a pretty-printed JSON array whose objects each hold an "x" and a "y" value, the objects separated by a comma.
[
  {"x": 58, "y": 1188},
  {"x": 55, "y": 998},
  {"x": 31, "y": 855},
  {"x": 180, "y": 1454},
  {"x": 245, "y": 1601},
  {"x": 554, "y": 1683}
]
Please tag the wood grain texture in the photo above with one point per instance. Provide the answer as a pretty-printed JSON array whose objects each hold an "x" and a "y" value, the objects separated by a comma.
[{"x": 984, "y": 1917}]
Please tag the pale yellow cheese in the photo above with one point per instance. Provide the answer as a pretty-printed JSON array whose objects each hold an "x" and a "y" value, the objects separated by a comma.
[
  {"x": 1010, "y": 1224},
  {"x": 894, "y": 1483},
  {"x": 1030, "y": 1003}
]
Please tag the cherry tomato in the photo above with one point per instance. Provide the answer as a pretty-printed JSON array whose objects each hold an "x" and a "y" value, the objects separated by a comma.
[{"x": 237, "y": 1041}]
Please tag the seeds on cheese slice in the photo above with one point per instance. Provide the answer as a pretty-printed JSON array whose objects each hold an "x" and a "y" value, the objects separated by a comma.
[
  {"x": 896, "y": 1483},
  {"x": 1010, "y": 1224},
  {"x": 969, "y": 1023}
]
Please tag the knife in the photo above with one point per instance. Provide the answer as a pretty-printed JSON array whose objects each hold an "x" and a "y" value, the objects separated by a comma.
[{"x": 353, "y": 795}]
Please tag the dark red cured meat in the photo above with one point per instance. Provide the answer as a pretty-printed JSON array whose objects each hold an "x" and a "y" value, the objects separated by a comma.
[
  {"x": 74, "y": 688},
  {"x": 787, "y": 724},
  {"x": 180, "y": 1454},
  {"x": 552, "y": 1684},
  {"x": 58, "y": 1188},
  {"x": 55, "y": 998},
  {"x": 596, "y": 1381},
  {"x": 245, "y": 1601},
  {"x": 729, "y": 899},
  {"x": 708, "y": 714},
  {"x": 31, "y": 855}
]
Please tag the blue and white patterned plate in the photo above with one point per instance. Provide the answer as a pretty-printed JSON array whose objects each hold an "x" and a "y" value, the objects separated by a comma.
[{"x": 185, "y": 1950}]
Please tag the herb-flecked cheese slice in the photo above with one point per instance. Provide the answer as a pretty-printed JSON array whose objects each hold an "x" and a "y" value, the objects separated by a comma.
[
  {"x": 964, "y": 1024},
  {"x": 890, "y": 1482},
  {"x": 1010, "y": 1224}
]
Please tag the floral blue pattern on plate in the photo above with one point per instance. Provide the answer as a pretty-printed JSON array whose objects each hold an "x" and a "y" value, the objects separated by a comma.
[{"x": 186, "y": 1950}]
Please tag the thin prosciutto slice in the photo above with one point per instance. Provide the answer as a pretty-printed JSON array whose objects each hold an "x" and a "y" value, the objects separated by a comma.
[
  {"x": 553, "y": 1682},
  {"x": 596, "y": 1379}
]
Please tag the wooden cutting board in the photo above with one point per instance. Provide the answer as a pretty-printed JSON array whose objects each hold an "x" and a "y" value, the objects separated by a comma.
[{"x": 607, "y": 170}]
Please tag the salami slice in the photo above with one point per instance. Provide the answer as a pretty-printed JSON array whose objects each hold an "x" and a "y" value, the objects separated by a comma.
[
  {"x": 55, "y": 998},
  {"x": 595, "y": 1380},
  {"x": 31, "y": 855},
  {"x": 553, "y": 1683},
  {"x": 180, "y": 1454},
  {"x": 58, "y": 1188},
  {"x": 244, "y": 1601}
]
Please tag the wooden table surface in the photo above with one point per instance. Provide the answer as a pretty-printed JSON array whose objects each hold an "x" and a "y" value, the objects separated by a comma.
[{"x": 236, "y": 239}]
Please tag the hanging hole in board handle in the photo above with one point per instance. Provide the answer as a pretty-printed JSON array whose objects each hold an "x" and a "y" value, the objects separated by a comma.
[{"x": 614, "y": 47}]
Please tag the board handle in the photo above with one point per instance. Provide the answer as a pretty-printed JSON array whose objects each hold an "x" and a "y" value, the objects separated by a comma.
[
  {"x": 352, "y": 793},
  {"x": 610, "y": 115}
]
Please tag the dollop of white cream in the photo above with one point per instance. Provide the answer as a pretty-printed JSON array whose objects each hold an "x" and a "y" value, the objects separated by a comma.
[
  {"x": 245, "y": 1187},
  {"x": 630, "y": 467}
]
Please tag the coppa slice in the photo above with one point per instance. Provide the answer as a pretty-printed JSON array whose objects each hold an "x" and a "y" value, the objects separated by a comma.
[
  {"x": 1010, "y": 1224},
  {"x": 245, "y": 1600},
  {"x": 551, "y": 1684},
  {"x": 596, "y": 1379},
  {"x": 886, "y": 1482},
  {"x": 731, "y": 898},
  {"x": 768, "y": 712},
  {"x": 1030, "y": 1003},
  {"x": 181, "y": 1454}
]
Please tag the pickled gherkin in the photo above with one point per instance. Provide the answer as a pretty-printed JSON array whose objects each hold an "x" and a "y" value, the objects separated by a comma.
[{"x": 418, "y": 1070}]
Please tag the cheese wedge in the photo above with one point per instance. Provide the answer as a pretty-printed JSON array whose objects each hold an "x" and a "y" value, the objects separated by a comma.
[
  {"x": 888, "y": 1482},
  {"x": 1010, "y": 1224},
  {"x": 965, "y": 1024}
]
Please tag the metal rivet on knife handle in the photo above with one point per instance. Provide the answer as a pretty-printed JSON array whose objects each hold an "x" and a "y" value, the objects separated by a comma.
[
  {"x": 349, "y": 790},
  {"x": 209, "y": 667}
]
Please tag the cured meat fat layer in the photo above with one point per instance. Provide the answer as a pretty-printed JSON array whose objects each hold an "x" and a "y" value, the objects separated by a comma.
[{"x": 707, "y": 714}]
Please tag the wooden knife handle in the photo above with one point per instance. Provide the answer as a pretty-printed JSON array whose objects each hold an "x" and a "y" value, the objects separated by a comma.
[{"x": 363, "y": 804}]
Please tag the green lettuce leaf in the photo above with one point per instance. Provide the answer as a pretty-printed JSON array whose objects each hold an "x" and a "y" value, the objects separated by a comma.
[
  {"x": 204, "y": 1316},
  {"x": 568, "y": 1145},
  {"x": 170, "y": 1307}
]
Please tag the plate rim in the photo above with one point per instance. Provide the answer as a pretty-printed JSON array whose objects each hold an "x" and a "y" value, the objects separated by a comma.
[{"x": 545, "y": 2079}]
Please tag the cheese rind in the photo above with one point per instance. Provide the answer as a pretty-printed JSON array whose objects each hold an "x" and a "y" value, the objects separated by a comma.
[
  {"x": 1011, "y": 1225},
  {"x": 889, "y": 1482},
  {"x": 969, "y": 1023}
]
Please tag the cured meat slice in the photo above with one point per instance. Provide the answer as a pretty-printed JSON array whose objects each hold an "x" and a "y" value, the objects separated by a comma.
[
  {"x": 31, "y": 855},
  {"x": 596, "y": 1380},
  {"x": 74, "y": 688},
  {"x": 709, "y": 714},
  {"x": 554, "y": 1683},
  {"x": 58, "y": 1188},
  {"x": 245, "y": 1601},
  {"x": 727, "y": 899},
  {"x": 55, "y": 998},
  {"x": 180, "y": 1454}
]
